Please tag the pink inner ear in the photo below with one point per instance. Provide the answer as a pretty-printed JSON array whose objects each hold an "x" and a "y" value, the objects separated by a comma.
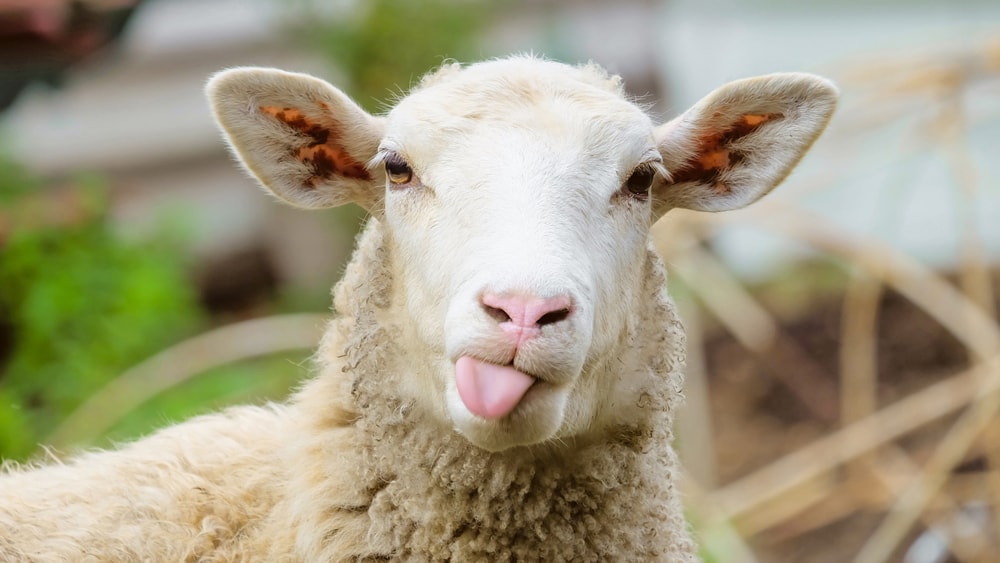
[
  {"x": 713, "y": 154},
  {"x": 324, "y": 154}
]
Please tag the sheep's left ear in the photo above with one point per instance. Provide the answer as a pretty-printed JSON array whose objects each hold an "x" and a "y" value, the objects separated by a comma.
[
  {"x": 304, "y": 140},
  {"x": 740, "y": 141}
]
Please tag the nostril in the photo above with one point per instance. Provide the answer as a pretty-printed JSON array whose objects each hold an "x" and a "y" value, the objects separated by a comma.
[
  {"x": 498, "y": 314},
  {"x": 526, "y": 310},
  {"x": 553, "y": 317}
]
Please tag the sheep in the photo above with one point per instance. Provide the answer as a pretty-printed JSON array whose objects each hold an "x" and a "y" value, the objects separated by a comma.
[{"x": 501, "y": 380}]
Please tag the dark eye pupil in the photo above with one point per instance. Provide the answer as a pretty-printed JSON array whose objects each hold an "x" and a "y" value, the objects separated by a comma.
[
  {"x": 640, "y": 181},
  {"x": 397, "y": 168}
]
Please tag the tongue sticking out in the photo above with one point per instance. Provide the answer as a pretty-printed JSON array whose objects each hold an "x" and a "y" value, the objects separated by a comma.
[{"x": 488, "y": 390}]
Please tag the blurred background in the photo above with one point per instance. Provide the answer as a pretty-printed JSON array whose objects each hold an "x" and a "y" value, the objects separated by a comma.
[{"x": 843, "y": 381}]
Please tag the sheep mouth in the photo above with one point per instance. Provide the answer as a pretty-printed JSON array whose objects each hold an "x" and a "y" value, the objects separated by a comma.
[{"x": 491, "y": 391}]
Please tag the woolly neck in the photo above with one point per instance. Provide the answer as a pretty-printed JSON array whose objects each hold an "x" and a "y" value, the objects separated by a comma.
[{"x": 430, "y": 494}]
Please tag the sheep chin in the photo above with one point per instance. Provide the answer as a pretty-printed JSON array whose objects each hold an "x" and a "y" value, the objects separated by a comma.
[{"x": 537, "y": 417}]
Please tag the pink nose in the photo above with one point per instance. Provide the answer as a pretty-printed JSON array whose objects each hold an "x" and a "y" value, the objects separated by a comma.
[{"x": 526, "y": 311}]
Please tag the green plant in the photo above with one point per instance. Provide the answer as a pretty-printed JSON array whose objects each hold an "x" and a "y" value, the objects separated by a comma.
[
  {"x": 382, "y": 41},
  {"x": 79, "y": 305}
]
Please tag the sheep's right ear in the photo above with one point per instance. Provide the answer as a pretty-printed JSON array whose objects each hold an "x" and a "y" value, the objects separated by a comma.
[{"x": 303, "y": 139}]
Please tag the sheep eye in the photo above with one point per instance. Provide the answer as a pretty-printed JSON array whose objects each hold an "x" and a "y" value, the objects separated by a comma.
[
  {"x": 639, "y": 183},
  {"x": 398, "y": 171}
]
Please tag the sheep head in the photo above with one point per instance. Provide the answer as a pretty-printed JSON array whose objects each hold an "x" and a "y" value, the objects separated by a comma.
[{"x": 516, "y": 198}]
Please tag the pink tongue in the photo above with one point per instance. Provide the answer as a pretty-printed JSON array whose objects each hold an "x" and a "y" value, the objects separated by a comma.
[{"x": 488, "y": 390}]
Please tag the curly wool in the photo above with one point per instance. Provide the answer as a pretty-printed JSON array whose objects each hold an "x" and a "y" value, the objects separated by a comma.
[
  {"x": 179, "y": 495},
  {"x": 422, "y": 492},
  {"x": 351, "y": 470}
]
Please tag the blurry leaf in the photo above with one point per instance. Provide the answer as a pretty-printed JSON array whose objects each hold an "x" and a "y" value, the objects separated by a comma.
[
  {"x": 82, "y": 306},
  {"x": 15, "y": 181},
  {"x": 385, "y": 41}
]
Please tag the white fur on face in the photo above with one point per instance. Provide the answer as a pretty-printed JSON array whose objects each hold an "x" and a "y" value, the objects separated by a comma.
[{"x": 526, "y": 199}]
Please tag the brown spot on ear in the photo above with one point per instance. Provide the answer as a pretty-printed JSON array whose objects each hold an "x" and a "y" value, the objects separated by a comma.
[
  {"x": 747, "y": 124},
  {"x": 324, "y": 153},
  {"x": 755, "y": 120},
  {"x": 713, "y": 154},
  {"x": 717, "y": 159},
  {"x": 327, "y": 162}
]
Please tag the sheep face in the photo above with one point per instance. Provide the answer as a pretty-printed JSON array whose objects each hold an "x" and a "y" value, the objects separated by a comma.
[
  {"x": 516, "y": 198},
  {"x": 521, "y": 204}
]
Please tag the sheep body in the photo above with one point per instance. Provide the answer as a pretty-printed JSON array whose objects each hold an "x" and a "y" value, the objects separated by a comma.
[
  {"x": 234, "y": 487},
  {"x": 545, "y": 196}
]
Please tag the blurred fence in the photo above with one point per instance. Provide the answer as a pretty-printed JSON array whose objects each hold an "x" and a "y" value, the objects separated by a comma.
[{"x": 885, "y": 475}]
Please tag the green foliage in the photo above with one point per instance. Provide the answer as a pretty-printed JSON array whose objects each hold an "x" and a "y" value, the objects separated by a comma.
[
  {"x": 15, "y": 182},
  {"x": 79, "y": 306},
  {"x": 383, "y": 41}
]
